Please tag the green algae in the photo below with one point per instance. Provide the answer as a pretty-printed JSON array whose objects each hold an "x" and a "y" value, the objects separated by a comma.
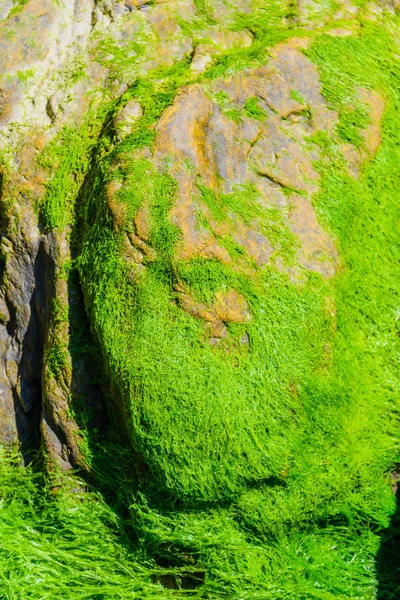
[
  {"x": 253, "y": 109},
  {"x": 266, "y": 459},
  {"x": 207, "y": 390},
  {"x": 18, "y": 6},
  {"x": 312, "y": 460}
]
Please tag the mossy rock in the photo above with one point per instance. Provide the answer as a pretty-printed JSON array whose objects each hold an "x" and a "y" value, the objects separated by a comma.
[
  {"x": 210, "y": 279},
  {"x": 228, "y": 204}
]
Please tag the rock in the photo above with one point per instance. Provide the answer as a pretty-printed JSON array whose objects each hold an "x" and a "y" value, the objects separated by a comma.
[
  {"x": 218, "y": 42},
  {"x": 224, "y": 196},
  {"x": 270, "y": 153},
  {"x": 125, "y": 120},
  {"x": 371, "y": 135},
  {"x": 231, "y": 307},
  {"x": 316, "y": 245},
  {"x": 136, "y": 4},
  {"x": 174, "y": 305},
  {"x": 172, "y": 44},
  {"x": 234, "y": 166},
  {"x": 5, "y": 9},
  {"x": 52, "y": 108},
  {"x": 201, "y": 59},
  {"x": 226, "y": 307},
  {"x": 311, "y": 13},
  {"x": 37, "y": 43},
  {"x": 375, "y": 107}
]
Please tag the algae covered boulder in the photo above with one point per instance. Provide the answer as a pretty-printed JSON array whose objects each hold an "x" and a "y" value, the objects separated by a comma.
[
  {"x": 207, "y": 274},
  {"x": 199, "y": 283}
]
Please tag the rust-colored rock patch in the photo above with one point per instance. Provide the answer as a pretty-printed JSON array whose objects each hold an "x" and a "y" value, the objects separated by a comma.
[{"x": 238, "y": 148}]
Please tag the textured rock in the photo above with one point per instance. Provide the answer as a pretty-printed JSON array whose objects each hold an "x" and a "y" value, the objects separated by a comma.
[
  {"x": 209, "y": 138},
  {"x": 239, "y": 150},
  {"x": 46, "y": 83},
  {"x": 35, "y": 44},
  {"x": 196, "y": 222},
  {"x": 38, "y": 42},
  {"x": 125, "y": 120},
  {"x": 198, "y": 276}
]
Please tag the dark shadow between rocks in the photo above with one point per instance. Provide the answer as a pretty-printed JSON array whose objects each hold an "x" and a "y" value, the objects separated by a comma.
[
  {"x": 388, "y": 557},
  {"x": 108, "y": 456},
  {"x": 28, "y": 399}
]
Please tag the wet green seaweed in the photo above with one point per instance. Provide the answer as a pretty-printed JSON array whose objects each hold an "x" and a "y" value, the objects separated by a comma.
[{"x": 266, "y": 454}]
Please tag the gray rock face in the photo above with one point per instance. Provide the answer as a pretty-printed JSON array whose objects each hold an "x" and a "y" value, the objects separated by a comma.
[
  {"x": 38, "y": 44},
  {"x": 21, "y": 331}
]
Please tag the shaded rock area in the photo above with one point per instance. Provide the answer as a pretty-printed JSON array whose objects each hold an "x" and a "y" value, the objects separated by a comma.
[
  {"x": 251, "y": 132},
  {"x": 39, "y": 44}
]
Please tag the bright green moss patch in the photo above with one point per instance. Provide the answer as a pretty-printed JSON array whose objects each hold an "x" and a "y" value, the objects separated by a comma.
[
  {"x": 64, "y": 544},
  {"x": 204, "y": 9},
  {"x": 227, "y": 107},
  {"x": 235, "y": 250},
  {"x": 69, "y": 157},
  {"x": 163, "y": 234},
  {"x": 136, "y": 186},
  {"x": 72, "y": 545},
  {"x": 254, "y": 110},
  {"x": 206, "y": 277},
  {"x": 352, "y": 121},
  {"x": 295, "y": 95},
  {"x": 18, "y": 6},
  {"x": 242, "y": 201}
]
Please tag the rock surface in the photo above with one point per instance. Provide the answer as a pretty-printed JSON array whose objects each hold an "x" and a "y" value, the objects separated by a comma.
[
  {"x": 199, "y": 217},
  {"x": 240, "y": 149}
]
